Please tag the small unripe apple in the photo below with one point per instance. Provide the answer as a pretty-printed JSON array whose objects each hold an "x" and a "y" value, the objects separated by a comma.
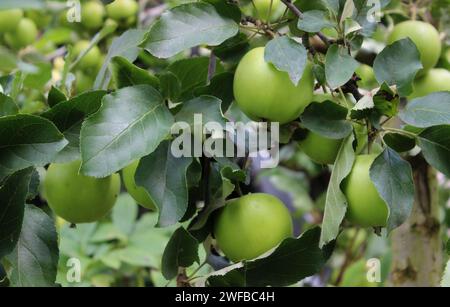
[
  {"x": 434, "y": 80},
  {"x": 139, "y": 194},
  {"x": 251, "y": 225},
  {"x": 366, "y": 208},
  {"x": 426, "y": 38},
  {"x": 78, "y": 198},
  {"x": 9, "y": 19},
  {"x": 264, "y": 92}
]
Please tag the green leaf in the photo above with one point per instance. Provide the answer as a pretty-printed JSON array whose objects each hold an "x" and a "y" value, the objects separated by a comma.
[
  {"x": 393, "y": 179},
  {"x": 33, "y": 187},
  {"x": 227, "y": 9},
  {"x": 181, "y": 251},
  {"x": 220, "y": 86},
  {"x": 187, "y": 26},
  {"x": 431, "y": 110},
  {"x": 292, "y": 261},
  {"x": 382, "y": 101},
  {"x": 27, "y": 140},
  {"x": 164, "y": 177},
  {"x": 398, "y": 65},
  {"x": 399, "y": 142},
  {"x": 233, "y": 48},
  {"x": 124, "y": 214},
  {"x": 13, "y": 194},
  {"x": 332, "y": 5},
  {"x": 34, "y": 261},
  {"x": 287, "y": 55},
  {"x": 221, "y": 188},
  {"x": 170, "y": 85},
  {"x": 126, "y": 74},
  {"x": 55, "y": 96},
  {"x": 7, "y": 106},
  {"x": 9, "y": 59},
  {"x": 39, "y": 77},
  {"x": 339, "y": 66},
  {"x": 435, "y": 144},
  {"x": 314, "y": 21},
  {"x": 328, "y": 119},
  {"x": 208, "y": 106},
  {"x": 336, "y": 202},
  {"x": 129, "y": 125},
  {"x": 68, "y": 116},
  {"x": 126, "y": 45},
  {"x": 192, "y": 73}
]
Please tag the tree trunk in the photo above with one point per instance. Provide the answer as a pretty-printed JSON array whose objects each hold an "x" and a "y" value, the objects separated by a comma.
[{"x": 417, "y": 258}]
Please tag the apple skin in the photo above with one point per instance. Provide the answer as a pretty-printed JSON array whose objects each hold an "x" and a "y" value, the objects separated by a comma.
[
  {"x": 91, "y": 59},
  {"x": 251, "y": 225},
  {"x": 83, "y": 82},
  {"x": 9, "y": 19},
  {"x": 122, "y": 9},
  {"x": 434, "y": 80},
  {"x": 78, "y": 198},
  {"x": 367, "y": 75},
  {"x": 139, "y": 194},
  {"x": 263, "y": 9},
  {"x": 320, "y": 149},
  {"x": 23, "y": 35},
  {"x": 426, "y": 38},
  {"x": 263, "y": 92},
  {"x": 365, "y": 206},
  {"x": 92, "y": 14}
]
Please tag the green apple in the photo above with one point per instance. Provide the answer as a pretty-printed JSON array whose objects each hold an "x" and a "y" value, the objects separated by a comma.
[
  {"x": 251, "y": 225},
  {"x": 91, "y": 59},
  {"x": 139, "y": 194},
  {"x": 78, "y": 198},
  {"x": 320, "y": 149},
  {"x": 366, "y": 208},
  {"x": 263, "y": 92},
  {"x": 122, "y": 9},
  {"x": 83, "y": 82},
  {"x": 9, "y": 19},
  {"x": 367, "y": 75},
  {"x": 92, "y": 14},
  {"x": 266, "y": 8},
  {"x": 426, "y": 38},
  {"x": 434, "y": 80},
  {"x": 23, "y": 35}
]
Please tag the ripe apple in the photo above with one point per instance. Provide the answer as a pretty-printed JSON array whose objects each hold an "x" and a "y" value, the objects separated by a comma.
[
  {"x": 251, "y": 225},
  {"x": 78, "y": 198},
  {"x": 434, "y": 80},
  {"x": 426, "y": 38},
  {"x": 139, "y": 194},
  {"x": 366, "y": 208},
  {"x": 263, "y": 92}
]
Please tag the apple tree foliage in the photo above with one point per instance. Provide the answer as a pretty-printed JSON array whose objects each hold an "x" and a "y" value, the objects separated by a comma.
[{"x": 110, "y": 127}]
